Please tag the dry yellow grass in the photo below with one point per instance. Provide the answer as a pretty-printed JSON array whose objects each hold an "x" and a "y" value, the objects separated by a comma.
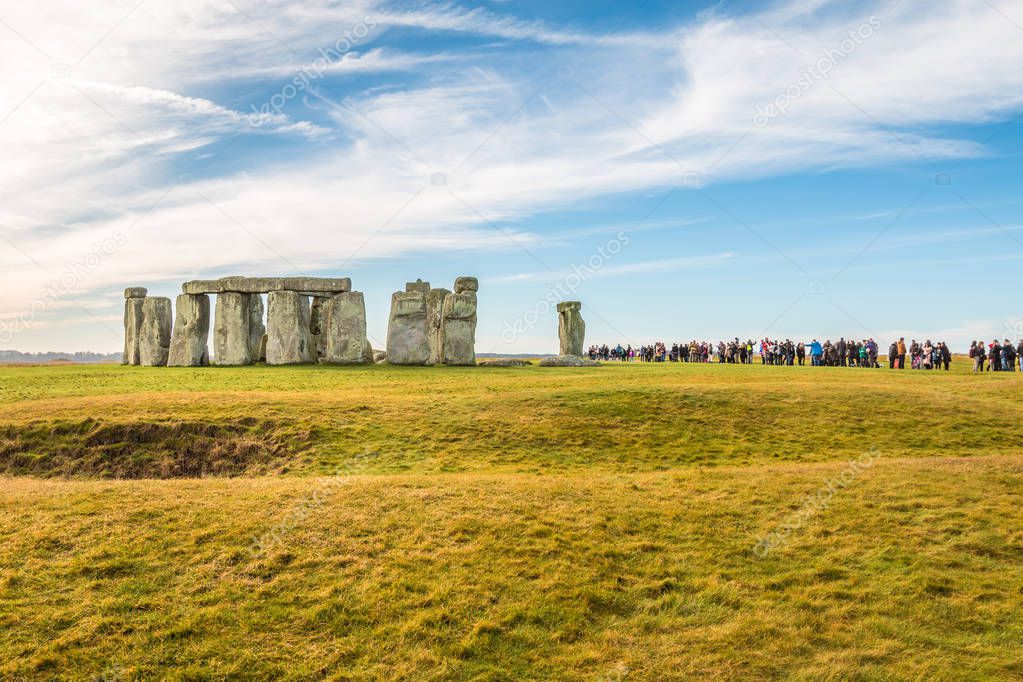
[{"x": 516, "y": 524}]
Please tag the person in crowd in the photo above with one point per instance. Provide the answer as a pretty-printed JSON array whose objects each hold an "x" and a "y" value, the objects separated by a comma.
[
  {"x": 816, "y": 351},
  {"x": 902, "y": 353}
]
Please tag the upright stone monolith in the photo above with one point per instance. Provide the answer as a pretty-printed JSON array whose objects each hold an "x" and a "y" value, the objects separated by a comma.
[
  {"x": 232, "y": 344},
  {"x": 155, "y": 333},
  {"x": 344, "y": 329},
  {"x": 571, "y": 328},
  {"x": 189, "y": 343},
  {"x": 318, "y": 324},
  {"x": 434, "y": 327},
  {"x": 288, "y": 337},
  {"x": 133, "y": 298},
  {"x": 407, "y": 340},
  {"x": 459, "y": 323},
  {"x": 257, "y": 329}
]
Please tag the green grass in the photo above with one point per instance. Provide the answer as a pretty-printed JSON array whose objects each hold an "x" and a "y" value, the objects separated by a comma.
[
  {"x": 160, "y": 422},
  {"x": 500, "y": 524}
]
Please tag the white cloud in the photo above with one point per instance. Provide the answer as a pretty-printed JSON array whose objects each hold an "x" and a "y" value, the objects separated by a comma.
[{"x": 513, "y": 139}]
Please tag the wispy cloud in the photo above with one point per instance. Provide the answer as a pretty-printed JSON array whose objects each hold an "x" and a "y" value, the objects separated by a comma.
[{"x": 644, "y": 267}]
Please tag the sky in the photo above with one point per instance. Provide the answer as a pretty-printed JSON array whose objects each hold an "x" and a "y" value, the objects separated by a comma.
[{"x": 790, "y": 169}]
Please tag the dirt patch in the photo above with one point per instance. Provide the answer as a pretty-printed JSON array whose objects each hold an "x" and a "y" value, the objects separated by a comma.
[{"x": 173, "y": 449}]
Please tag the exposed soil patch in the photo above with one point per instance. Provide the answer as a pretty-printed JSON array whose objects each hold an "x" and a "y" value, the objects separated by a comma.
[{"x": 93, "y": 448}]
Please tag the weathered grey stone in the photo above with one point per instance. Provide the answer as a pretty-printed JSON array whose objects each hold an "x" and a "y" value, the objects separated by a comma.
[
  {"x": 321, "y": 286},
  {"x": 155, "y": 334},
  {"x": 262, "y": 349},
  {"x": 434, "y": 327},
  {"x": 135, "y": 292},
  {"x": 459, "y": 329},
  {"x": 504, "y": 362},
  {"x": 418, "y": 285},
  {"x": 568, "y": 361},
  {"x": 288, "y": 339},
  {"x": 257, "y": 329},
  {"x": 407, "y": 340},
  {"x": 571, "y": 328},
  {"x": 466, "y": 284},
  {"x": 232, "y": 344},
  {"x": 368, "y": 354},
  {"x": 318, "y": 324},
  {"x": 345, "y": 329},
  {"x": 379, "y": 356},
  {"x": 189, "y": 341},
  {"x": 132, "y": 328}
]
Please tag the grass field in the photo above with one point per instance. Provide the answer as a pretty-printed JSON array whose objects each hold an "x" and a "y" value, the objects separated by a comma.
[{"x": 524, "y": 523}]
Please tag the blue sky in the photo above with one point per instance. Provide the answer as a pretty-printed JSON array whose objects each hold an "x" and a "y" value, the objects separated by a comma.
[{"x": 685, "y": 169}]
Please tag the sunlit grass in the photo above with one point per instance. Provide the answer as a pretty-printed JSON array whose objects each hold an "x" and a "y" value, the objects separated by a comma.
[{"x": 596, "y": 524}]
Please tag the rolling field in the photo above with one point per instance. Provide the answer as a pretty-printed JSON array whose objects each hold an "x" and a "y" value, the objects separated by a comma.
[{"x": 639, "y": 522}]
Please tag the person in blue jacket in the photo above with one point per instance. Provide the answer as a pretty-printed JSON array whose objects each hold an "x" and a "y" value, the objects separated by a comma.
[{"x": 816, "y": 351}]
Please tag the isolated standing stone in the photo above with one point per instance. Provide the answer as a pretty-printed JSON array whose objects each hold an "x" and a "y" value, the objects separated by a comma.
[
  {"x": 155, "y": 334},
  {"x": 571, "y": 328},
  {"x": 288, "y": 337},
  {"x": 407, "y": 340},
  {"x": 434, "y": 327},
  {"x": 231, "y": 342},
  {"x": 344, "y": 329},
  {"x": 189, "y": 342},
  {"x": 133, "y": 298}
]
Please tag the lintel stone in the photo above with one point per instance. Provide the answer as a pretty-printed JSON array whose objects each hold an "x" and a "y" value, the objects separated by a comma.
[{"x": 307, "y": 286}]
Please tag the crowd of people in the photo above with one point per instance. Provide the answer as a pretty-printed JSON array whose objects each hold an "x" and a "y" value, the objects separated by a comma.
[{"x": 999, "y": 357}]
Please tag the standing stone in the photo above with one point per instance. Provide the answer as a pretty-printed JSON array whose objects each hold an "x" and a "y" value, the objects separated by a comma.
[
  {"x": 344, "y": 329},
  {"x": 189, "y": 346},
  {"x": 459, "y": 323},
  {"x": 133, "y": 297},
  {"x": 288, "y": 339},
  {"x": 571, "y": 328},
  {"x": 407, "y": 340},
  {"x": 434, "y": 327},
  {"x": 233, "y": 319},
  {"x": 155, "y": 333},
  {"x": 318, "y": 324},
  {"x": 257, "y": 330}
]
